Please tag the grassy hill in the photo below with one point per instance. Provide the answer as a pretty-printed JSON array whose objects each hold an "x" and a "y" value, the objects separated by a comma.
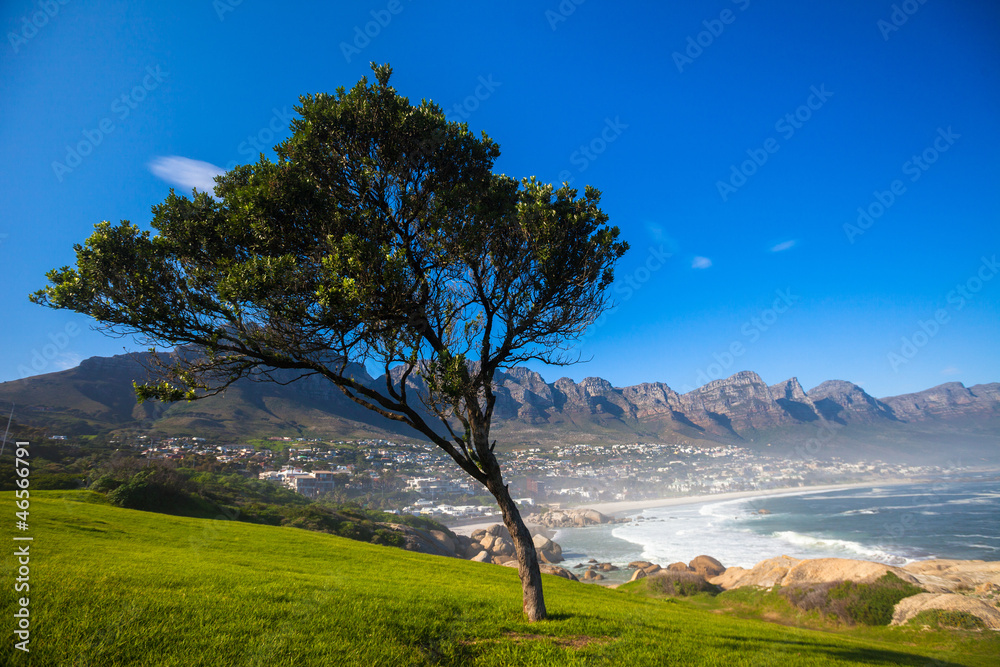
[{"x": 120, "y": 587}]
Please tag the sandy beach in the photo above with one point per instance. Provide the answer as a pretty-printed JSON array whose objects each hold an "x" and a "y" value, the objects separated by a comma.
[
  {"x": 624, "y": 507},
  {"x": 629, "y": 506}
]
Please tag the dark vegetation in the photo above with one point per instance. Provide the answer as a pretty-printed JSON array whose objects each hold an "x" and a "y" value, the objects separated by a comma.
[
  {"x": 944, "y": 619},
  {"x": 195, "y": 486},
  {"x": 846, "y": 602}
]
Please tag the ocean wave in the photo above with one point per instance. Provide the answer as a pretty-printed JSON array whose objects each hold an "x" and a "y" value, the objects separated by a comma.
[{"x": 848, "y": 546}]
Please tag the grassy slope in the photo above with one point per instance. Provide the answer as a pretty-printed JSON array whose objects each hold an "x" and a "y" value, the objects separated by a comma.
[{"x": 121, "y": 587}]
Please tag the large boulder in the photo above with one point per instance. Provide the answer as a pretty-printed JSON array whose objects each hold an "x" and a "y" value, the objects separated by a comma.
[
  {"x": 909, "y": 607},
  {"x": 591, "y": 575},
  {"x": 764, "y": 574},
  {"x": 637, "y": 575},
  {"x": 638, "y": 564},
  {"x": 952, "y": 576},
  {"x": 651, "y": 568},
  {"x": 503, "y": 547},
  {"x": 785, "y": 571},
  {"x": 825, "y": 570},
  {"x": 482, "y": 557},
  {"x": 548, "y": 551},
  {"x": 679, "y": 567},
  {"x": 444, "y": 540},
  {"x": 706, "y": 566}
]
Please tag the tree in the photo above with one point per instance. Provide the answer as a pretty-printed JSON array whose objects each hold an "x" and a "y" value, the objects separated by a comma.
[{"x": 379, "y": 235}]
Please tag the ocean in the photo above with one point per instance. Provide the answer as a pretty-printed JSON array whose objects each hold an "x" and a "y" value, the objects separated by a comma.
[{"x": 894, "y": 524}]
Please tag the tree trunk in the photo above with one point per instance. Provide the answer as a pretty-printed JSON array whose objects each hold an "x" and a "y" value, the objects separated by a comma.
[{"x": 524, "y": 547}]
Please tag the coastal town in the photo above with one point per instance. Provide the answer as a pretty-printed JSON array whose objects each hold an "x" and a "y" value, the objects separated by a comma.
[{"x": 419, "y": 478}]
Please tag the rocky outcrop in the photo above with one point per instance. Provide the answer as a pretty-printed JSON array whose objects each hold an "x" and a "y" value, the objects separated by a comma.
[
  {"x": 951, "y": 400},
  {"x": 706, "y": 566},
  {"x": 944, "y": 576},
  {"x": 847, "y": 403},
  {"x": 785, "y": 571},
  {"x": 570, "y": 518},
  {"x": 909, "y": 607},
  {"x": 496, "y": 543}
]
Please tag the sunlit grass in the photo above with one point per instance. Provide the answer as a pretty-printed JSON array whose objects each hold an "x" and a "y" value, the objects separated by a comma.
[{"x": 119, "y": 587}]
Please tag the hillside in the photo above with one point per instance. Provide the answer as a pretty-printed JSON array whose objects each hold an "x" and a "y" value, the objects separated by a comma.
[
  {"x": 97, "y": 397},
  {"x": 120, "y": 587}
]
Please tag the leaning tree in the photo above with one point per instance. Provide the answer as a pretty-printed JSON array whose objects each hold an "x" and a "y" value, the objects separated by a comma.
[{"x": 379, "y": 235}]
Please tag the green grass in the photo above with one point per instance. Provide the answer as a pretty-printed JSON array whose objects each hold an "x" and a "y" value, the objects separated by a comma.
[{"x": 112, "y": 587}]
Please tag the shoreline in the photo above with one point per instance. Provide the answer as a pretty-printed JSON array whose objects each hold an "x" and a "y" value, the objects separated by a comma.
[
  {"x": 625, "y": 507},
  {"x": 619, "y": 508}
]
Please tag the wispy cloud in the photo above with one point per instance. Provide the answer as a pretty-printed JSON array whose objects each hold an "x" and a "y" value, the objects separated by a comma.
[
  {"x": 186, "y": 173},
  {"x": 701, "y": 263},
  {"x": 784, "y": 245},
  {"x": 67, "y": 360},
  {"x": 951, "y": 370}
]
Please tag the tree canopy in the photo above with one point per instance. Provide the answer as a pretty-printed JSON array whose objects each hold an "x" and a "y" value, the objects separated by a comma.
[{"x": 378, "y": 235}]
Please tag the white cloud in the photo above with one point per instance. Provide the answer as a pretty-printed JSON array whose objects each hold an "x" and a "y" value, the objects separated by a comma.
[
  {"x": 784, "y": 245},
  {"x": 701, "y": 263},
  {"x": 186, "y": 173},
  {"x": 67, "y": 360},
  {"x": 951, "y": 370}
]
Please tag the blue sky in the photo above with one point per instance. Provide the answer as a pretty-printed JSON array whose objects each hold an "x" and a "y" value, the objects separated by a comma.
[{"x": 809, "y": 189}]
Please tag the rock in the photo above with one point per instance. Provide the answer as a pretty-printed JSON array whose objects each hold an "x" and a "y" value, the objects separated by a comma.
[
  {"x": 823, "y": 570},
  {"x": 636, "y": 564},
  {"x": 443, "y": 539},
  {"x": 478, "y": 534},
  {"x": 547, "y": 550},
  {"x": 909, "y": 607},
  {"x": 678, "y": 567},
  {"x": 955, "y": 576},
  {"x": 577, "y": 567},
  {"x": 498, "y": 530},
  {"x": 503, "y": 547},
  {"x": 706, "y": 566},
  {"x": 607, "y": 567},
  {"x": 763, "y": 512},
  {"x": 487, "y": 541},
  {"x": 507, "y": 562},
  {"x": 637, "y": 575},
  {"x": 785, "y": 571},
  {"x": 558, "y": 571},
  {"x": 653, "y": 567},
  {"x": 591, "y": 575},
  {"x": 482, "y": 557},
  {"x": 473, "y": 549},
  {"x": 568, "y": 518},
  {"x": 592, "y": 560},
  {"x": 764, "y": 574}
]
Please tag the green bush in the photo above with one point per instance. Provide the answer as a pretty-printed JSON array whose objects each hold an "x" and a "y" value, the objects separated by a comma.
[
  {"x": 870, "y": 604},
  {"x": 940, "y": 618},
  {"x": 680, "y": 584}
]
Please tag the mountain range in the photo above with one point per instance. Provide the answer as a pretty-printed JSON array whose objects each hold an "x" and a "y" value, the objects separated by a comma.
[{"x": 835, "y": 417}]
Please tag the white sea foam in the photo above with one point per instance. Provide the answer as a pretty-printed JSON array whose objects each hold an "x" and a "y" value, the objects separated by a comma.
[{"x": 841, "y": 548}]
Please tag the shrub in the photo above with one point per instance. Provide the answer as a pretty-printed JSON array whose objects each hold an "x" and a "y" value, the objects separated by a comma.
[
  {"x": 870, "y": 604},
  {"x": 940, "y": 618},
  {"x": 683, "y": 584}
]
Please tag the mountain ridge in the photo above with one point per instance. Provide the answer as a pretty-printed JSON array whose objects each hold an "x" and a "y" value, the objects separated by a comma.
[{"x": 96, "y": 396}]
